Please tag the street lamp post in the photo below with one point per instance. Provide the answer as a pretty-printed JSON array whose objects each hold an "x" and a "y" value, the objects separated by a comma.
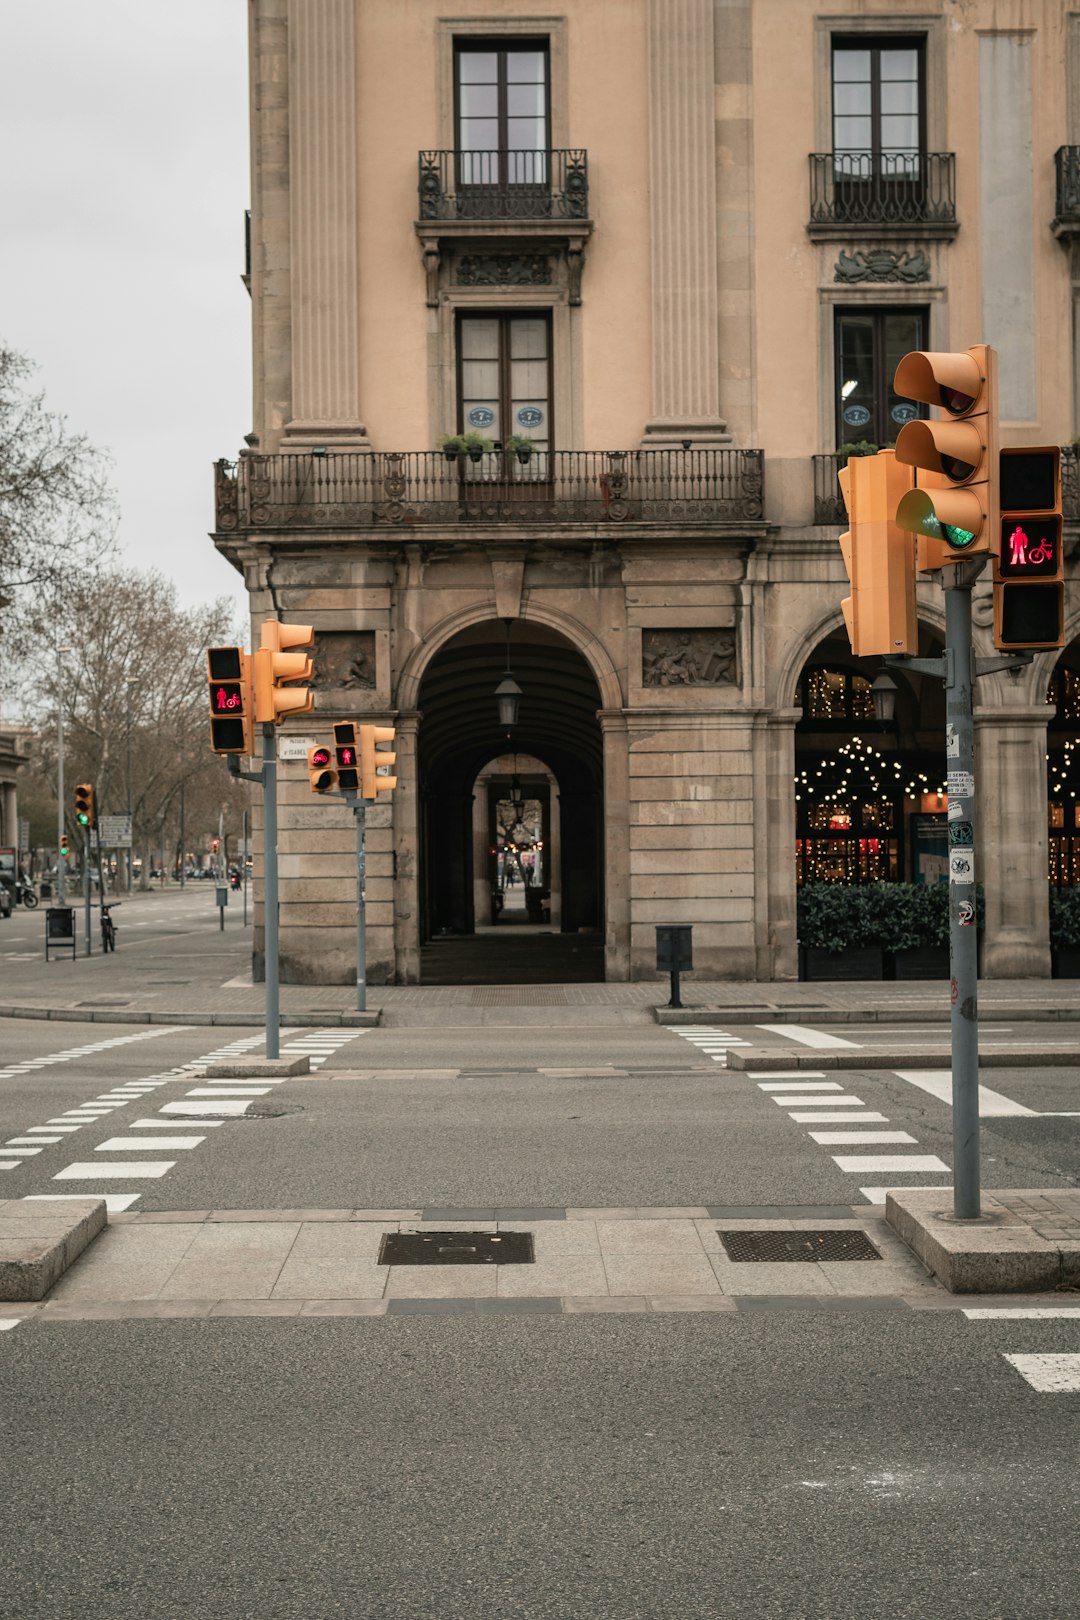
[{"x": 60, "y": 863}]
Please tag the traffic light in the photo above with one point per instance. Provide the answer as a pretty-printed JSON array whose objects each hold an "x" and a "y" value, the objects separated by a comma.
[
  {"x": 215, "y": 845},
  {"x": 322, "y": 778},
  {"x": 275, "y": 665},
  {"x": 1029, "y": 579},
  {"x": 956, "y": 499},
  {"x": 374, "y": 759},
  {"x": 65, "y": 847},
  {"x": 348, "y": 772},
  {"x": 84, "y": 804},
  {"x": 228, "y": 673},
  {"x": 879, "y": 557}
]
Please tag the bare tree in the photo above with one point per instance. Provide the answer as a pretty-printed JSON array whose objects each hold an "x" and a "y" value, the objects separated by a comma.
[{"x": 57, "y": 511}]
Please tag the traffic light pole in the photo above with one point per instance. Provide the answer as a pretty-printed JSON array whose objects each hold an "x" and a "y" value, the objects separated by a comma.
[{"x": 86, "y": 884}]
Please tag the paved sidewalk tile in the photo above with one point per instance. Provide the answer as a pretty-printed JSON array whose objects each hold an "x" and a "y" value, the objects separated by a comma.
[
  {"x": 128, "y": 1262},
  {"x": 232, "y": 1262},
  {"x": 333, "y": 1262}
]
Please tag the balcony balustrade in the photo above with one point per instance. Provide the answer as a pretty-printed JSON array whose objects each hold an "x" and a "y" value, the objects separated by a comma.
[
  {"x": 513, "y": 185},
  {"x": 882, "y": 189},
  {"x": 407, "y": 489},
  {"x": 1067, "y": 197},
  {"x": 829, "y": 508}
]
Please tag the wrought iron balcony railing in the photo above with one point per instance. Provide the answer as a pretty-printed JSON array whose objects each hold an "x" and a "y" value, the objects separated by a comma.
[
  {"x": 549, "y": 184},
  {"x": 1067, "y": 171},
  {"x": 882, "y": 188},
  {"x": 409, "y": 488},
  {"x": 829, "y": 503}
]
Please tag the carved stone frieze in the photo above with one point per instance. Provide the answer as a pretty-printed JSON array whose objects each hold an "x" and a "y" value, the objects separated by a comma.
[
  {"x": 688, "y": 657},
  {"x": 344, "y": 659},
  {"x": 503, "y": 270},
  {"x": 882, "y": 264}
]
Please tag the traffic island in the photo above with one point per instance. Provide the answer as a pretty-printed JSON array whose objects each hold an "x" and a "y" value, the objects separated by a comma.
[
  {"x": 258, "y": 1068},
  {"x": 37, "y": 1245},
  {"x": 1023, "y": 1242}
]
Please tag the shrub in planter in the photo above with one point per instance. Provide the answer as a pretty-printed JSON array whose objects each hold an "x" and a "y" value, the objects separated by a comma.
[
  {"x": 1065, "y": 932},
  {"x": 452, "y": 446},
  {"x": 476, "y": 445},
  {"x": 520, "y": 446}
]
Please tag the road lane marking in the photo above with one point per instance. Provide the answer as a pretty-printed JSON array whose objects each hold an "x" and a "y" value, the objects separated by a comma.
[
  {"x": 872, "y": 1138},
  {"x": 168, "y": 1124},
  {"x": 841, "y": 1119},
  {"x": 1050, "y": 1374},
  {"x": 796, "y": 1074},
  {"x": 810, "y": 1101},
  {"x": 9, "y": 1322},
  {"x": 115, "y": 1203},
  {"x": 938, "y": 1083},
  {"x": 1021, "y": 1313},
  {"x": 808, "y": 1037},
  {"x": 877, "y": 1195},
  {"x": 799, "y": 1085},
  {"x": 855, "y": 1163},
  {"x": 138, "y": 1144},
  {"x": 228, "y": 1091},
  {"x": 223, "y": 1107},
  {"x": 138, "y": 1169}
]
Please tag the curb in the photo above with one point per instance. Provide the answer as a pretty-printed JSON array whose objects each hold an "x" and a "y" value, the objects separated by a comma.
[
  {"x": 996, "y": 1254},
  {"x": 933, "y": 1013},
  {"x": 234, "y": 1020},
  {"x": 38, "y": 1242},
  {"x": 748, "y": 1057}
]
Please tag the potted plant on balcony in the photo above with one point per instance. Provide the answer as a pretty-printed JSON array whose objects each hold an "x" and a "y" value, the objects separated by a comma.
[
  {"x": 857, "y": 447},
  {"x": 452, "y": 446},
  {"x": 477, "y": 445},
  {"x": 1065, "y": 933},
  {"x": 521, "y": 447}
]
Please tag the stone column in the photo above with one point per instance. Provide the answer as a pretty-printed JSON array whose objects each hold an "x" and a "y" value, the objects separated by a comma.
[
  {"x": 683, "y": 226},
  {"x": 406, "y": 825},
  {"x": 617, "y": 857},
  {"x": 776, "y": 952},
  {"x": 1011, "y": 841},
  {"x": 323, "y": 227},
  {"x": 11, "y": 816},
  {"x": 271, "y": 298}
]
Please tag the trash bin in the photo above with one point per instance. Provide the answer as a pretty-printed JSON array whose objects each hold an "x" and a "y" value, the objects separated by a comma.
[{"x": 46, "y": 889}]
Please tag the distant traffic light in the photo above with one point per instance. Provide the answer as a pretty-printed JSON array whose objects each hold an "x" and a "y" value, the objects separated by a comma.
[
  {"x": 275, "y": 666},
  {"x": 879, "y": 557},
  {"x": 375, "y": 760},
  {"x": 228, "y": 673},
  {"x": 65, "y": 847},
  {"x": 1029, "y": 579},
  {"x": 956, "y": 501},
  {"x": 322, "y": 778},
  {"x": 84, "y": 805},
  {"x": 215, "y": 845},
  {"x": 346, "y": 758}
]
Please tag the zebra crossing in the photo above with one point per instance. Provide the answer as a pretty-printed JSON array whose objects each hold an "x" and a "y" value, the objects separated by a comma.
[
  {"x": 1054, "y": 1372},
  {"x": 715, "y": 1043},
  {"x": 71, "y": 1053}
]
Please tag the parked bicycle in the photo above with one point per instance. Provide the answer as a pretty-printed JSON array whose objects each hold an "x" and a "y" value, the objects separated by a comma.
[{"x": 108, "y": 927}]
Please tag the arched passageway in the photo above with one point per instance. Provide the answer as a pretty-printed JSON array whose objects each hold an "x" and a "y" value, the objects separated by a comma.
[{"x": 461, "y": 751}]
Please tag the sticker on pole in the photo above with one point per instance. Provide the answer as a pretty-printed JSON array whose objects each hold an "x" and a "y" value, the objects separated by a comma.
[
  {"x": 960, "y": 784},
  {"x": 967, "y": 913},
  {"x": 952, "y": 741},
  {"x": 961, "y": 832},
  {"x": 961, "y": 866}
]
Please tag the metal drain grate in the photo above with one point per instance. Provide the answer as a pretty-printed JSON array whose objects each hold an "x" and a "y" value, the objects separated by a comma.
[
  {"x": 456, "y": 1249},
  {"x": 798, "y": 1246}
]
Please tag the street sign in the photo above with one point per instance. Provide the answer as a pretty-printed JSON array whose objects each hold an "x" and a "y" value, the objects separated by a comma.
[
  {"x": 295, "y": 747},
  {"x": 115, "y": 831},
  {"x": 24, "y": 833}
]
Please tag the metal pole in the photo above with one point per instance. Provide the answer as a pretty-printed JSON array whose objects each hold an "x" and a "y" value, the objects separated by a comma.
[
  {"x": 244, "y": 865},
  {"x": 270, "y": 889},
  {"x": 60, "y": 861},
  {"x": 359, "y": 809},
  {"x": 129, "y": 808},
  {"x": 963, "y": 934},
  {"x": 183, "y": 840},
  {"x": 86, "y": 884}
]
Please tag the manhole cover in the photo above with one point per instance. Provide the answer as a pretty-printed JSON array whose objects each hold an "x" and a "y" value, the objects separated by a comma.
[
  {"x": 798, "y": 1246},
  {"x": 272, "y": 1110},
  {"x": 456, "y": 1249}
]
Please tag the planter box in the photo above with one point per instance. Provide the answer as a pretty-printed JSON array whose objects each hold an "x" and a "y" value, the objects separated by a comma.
[
  {"x": 1065, "y": 964},
  {"x": 925, "y": 962},
  {"x": 840, "y": 965}
]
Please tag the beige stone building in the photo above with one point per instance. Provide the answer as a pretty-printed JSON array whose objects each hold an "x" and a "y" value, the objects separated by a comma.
[{"x": 660, "y": 257}]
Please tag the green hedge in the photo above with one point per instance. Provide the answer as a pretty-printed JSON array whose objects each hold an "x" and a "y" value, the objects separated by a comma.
[
  {"x": 887, "y": 916},
  {"x": 1065, "y": 919}
]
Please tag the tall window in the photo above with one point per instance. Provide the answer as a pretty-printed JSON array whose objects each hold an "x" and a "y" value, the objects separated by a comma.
[
  {"x": 878, "y": 108},
  {"x": 502, "y": 113},
  {"x": 504, "y": 380},
  {"x": 869, "y": 344}
]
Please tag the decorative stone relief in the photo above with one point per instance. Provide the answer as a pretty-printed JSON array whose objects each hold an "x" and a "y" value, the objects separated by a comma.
[
  {"x": 504, "y": 270},
  {"x": 882, "y": 264},
  {"x": 688, "y": 657},
  {"x": 344, "y": 659}
]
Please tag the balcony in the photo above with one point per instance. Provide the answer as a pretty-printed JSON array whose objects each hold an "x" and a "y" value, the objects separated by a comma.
[
  {"x": 1066, "y": 222},
  {"x": 909, "y": 193},
  {"x": 829, "y": 508},
  {"x": 516, "y": 185},
  {"x": 392, "y": 491}
]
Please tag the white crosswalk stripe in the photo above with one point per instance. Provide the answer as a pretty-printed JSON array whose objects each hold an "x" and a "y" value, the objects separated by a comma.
[
  {"x": 1054, "y": 1372},
  {"x": 708, "y": 1038}
]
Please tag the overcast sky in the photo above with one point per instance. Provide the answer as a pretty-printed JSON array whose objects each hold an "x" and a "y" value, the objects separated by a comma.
[{"x": 123, "y": 127}]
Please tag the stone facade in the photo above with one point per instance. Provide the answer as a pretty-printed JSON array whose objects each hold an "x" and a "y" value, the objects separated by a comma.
[{"x": 664, "y": 600}]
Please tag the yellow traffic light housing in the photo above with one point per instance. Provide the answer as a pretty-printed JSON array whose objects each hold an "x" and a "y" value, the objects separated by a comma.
[
  {"x": 374, "y": 760},
  {"x": 276, "y": 665},
  {"x": 956, "y": 500},
  {"x": 85, "y": 813},
  {"x": 879, "y": 557},
  {"x": 232, "y": 706},
  {"x": 1029, "y": 577},
  {"x": 346, "y": 756},
  {"x": 322, "y": 778}
]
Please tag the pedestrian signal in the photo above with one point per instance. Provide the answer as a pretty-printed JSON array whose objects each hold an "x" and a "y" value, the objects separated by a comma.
[
  {"x": 322, "y": 778},
  {"x": 1029, "y": 578},
  {"x": 228, "y": 674},
  {"x": 346, "y": 757}
]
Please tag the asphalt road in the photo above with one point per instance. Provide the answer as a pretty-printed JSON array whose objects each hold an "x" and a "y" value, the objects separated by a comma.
[{"x": 769, "y": 1464}]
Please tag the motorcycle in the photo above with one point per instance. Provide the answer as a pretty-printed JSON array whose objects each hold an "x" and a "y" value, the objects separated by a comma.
[
  {"x": 24, "y": 895},
  {"x": 234, "y": 880}
]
